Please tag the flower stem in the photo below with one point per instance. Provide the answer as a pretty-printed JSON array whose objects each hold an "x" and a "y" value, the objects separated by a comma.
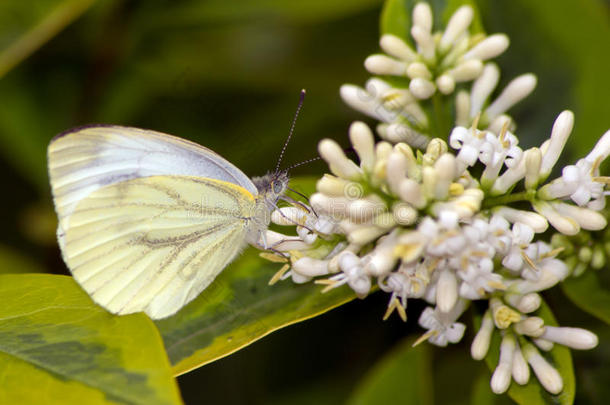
[
  {"x": 527, "y": 195},
  {"x": 440, "y": 122}
]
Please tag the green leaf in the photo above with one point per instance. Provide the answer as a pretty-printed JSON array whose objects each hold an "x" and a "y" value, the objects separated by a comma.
[
  {"x": 404, "y": 375},
  {"x": 587, "y": 54},
  {"x": 533, "y": 393},
  {"x": 481, "y": 393},
  {"x": 11, "y": 261},
  {"x": 57, "y": 347},
  {"x": 571, "y": 65},
  {"x": 239, "y": 307},
  {"x": 26, "y": 25},
  {"x": 396, "y": 19},
  {"x": 587, "y": 294}
]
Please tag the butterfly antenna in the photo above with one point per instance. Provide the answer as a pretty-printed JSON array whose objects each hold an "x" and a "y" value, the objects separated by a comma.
[
  {"x": 303, "y": 163},
  {"x": 294, "y": 121}
]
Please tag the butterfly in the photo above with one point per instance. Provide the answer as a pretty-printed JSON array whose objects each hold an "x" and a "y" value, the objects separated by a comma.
[{"x": 147, "y": 220}]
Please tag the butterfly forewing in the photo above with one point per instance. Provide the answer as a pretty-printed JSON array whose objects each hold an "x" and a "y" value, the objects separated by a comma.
[
  {"x": 153, "y": 244},
  {"x": 83, "y": 160}
]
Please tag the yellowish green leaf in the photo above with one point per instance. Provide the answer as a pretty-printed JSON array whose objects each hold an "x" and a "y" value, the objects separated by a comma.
[
  {"x": 57, "y": 347},
  {"x": 239, "y": 308}
]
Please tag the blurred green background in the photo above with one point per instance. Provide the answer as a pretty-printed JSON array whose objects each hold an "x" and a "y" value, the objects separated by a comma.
[{"x": 227, "y": 74}]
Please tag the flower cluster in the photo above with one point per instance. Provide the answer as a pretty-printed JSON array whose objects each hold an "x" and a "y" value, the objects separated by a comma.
[
  {"x": 453, "y": 222},
  {"x": 441, "y": 60}
]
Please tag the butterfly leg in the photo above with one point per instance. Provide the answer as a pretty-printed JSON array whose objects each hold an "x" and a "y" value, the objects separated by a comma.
[{"x": 263, "y": 238}]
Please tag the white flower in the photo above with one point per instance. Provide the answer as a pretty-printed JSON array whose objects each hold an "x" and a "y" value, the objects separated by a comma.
[
  {"x": 352, "y": 273},
  {"x": 469, "y": 142},
  {"x": 442, "y": 327},
  {"x": 522, "y": 236},
  {"x": 498, "y": 151},
  {"x": 580, "y": 182}
]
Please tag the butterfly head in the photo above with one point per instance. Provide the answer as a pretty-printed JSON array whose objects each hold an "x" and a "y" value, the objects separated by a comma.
[{"x": 271, "y": 187}]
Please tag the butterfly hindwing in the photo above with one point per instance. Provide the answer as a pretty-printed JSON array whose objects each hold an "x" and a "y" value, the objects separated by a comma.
[{"x": 153, "y": 244}]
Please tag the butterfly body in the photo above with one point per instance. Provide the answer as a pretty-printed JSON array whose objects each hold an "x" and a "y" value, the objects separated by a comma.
[{"x": 148, "y": 220}]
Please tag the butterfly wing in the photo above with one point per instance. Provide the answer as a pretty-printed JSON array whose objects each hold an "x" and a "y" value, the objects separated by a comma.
[
  {"x": 84, "y": 159},
  {"x": 153, "y": 244}
]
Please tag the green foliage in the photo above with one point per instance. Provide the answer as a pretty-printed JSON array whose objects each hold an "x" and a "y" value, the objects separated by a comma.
[
  {"x": 560, "y": 357},
  {"x": 57, "y": 347},
  {"x": 403, "y": 375}
]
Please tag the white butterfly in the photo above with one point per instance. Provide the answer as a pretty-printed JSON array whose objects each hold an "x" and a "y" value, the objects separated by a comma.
[{"x": 148, "y": 220}]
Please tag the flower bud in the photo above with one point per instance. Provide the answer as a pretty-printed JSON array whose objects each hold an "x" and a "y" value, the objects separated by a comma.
[
  {"x": 531, "y": 326},
  {"x": 309, "y": 267},
  {"x": 364, "y": 143},
  {"x": 547, "y": 375},
  {"x": 500, "y": 380},
  {"x": 421, "y": 88},
  {"x": 445, "y": 84},
  {"x": 339, "y": 164},
  {"x": 488, "y": 48},
  {"x": 480, "y": 344},
  {"x": 458, "y": 23},
  {"x": 562, "y": 127},
  {"x": 422, "y": 16},
  {"x": 576, "y": 338},
  {"x": 396, "y": 47},
  {"x": 521, "y": 371},
  {"x": 384, "y": 65},
  {"x": 515, "y": 91},
  {"x": 446, "y": 291},
  {"x": 418, "y": 69}
]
